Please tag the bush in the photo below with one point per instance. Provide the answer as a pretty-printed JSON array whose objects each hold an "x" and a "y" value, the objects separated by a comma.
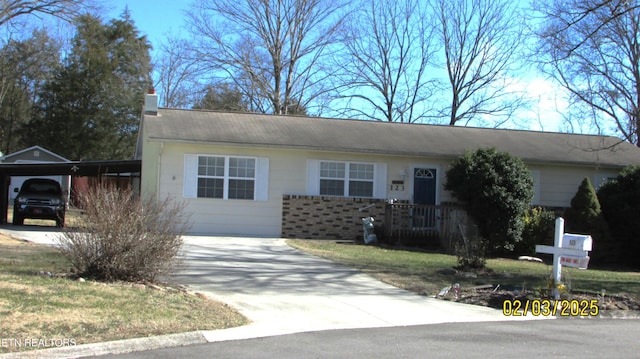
[
  {"x": 470, "y": 249},
  {"x": 620, "y": 201},
  {"x": 539, "y": 226},
  {"x": 496, "y": 190},
  {"x": 584, "y": 216},
  {"x": 121, "y": 237}
]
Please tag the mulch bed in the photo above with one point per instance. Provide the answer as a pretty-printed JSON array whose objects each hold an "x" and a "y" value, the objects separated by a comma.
[
  {"x": 609, "y": 306},
  {"x": 495, "y": 299}
]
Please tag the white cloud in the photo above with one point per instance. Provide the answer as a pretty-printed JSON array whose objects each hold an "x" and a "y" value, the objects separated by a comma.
[{"x": 545, "y": 104}]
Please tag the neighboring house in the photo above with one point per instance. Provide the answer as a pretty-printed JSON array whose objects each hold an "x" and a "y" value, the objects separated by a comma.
[
  {"x": 266, "y": 175},
  {"x": 35, "y": 154}
]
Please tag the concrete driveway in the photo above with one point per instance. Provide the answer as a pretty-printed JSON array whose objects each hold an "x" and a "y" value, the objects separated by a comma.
[{"x": 282, "y": 290}]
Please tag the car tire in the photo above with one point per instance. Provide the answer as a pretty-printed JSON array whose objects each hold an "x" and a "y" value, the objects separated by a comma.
[{"x": 17, "y": 220}]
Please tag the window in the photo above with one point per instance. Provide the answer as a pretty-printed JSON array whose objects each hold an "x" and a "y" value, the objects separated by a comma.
[
  {"x": 360, "y": 180},
  {"x": 242, "y": 173},
  {"x": 424, "y": 173},
  {"x": 226, "y": 177},
  {"x": 211, "y": 177},
  {"x": 332, "y": 178},
  {"x": 338, "y": 178}
]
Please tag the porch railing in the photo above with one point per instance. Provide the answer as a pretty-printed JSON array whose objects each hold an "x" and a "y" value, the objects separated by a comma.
[{"x": 427, "y": 226}]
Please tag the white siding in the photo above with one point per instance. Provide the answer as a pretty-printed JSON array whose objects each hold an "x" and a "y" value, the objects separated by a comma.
[
  {"x": 275, "y": 175},
  {"x": 558, "y": 185},
  {"x": 536, "y": 187},
  {"x": 280, "y": 172}
]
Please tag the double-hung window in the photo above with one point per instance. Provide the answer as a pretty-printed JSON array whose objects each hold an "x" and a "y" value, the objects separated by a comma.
[
  {"x": 360, "y": 180},
  {"x": 332, "y": 178},
  {"x": 242, "y": 174},
  {"x": 346, "y": 179},
  {"x": 226, "y": 177},
  {"x": 211, "y": 177}
]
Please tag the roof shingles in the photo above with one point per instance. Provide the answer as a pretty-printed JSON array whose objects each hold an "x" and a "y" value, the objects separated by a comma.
[{"x": 384, "y": 138}]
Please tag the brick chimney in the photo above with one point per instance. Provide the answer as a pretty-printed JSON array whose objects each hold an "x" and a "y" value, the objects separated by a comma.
[{"x": 151, "y": 103}]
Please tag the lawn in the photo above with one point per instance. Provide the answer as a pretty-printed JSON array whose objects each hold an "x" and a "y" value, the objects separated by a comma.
[
  {"x": 427, "y": 273},
  {"x": 37, "y": 306}
]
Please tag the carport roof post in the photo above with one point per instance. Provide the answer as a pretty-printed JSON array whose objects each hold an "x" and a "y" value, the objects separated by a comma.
[{"x": 76, "y": 168}]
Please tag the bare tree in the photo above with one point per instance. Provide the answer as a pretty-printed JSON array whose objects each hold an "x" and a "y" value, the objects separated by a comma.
[
  {"x": 270, "y": 48},
  {"x": 480, "y": 40},
  {"x": 592, "y": 49},
  {"x": 177, "y": 74},
  {"x": 64, "y": 9},
  {"x": 384, "y": 66}
]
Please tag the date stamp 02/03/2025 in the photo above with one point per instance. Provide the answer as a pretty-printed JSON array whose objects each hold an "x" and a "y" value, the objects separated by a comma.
[{"x": 551, "y": 307}]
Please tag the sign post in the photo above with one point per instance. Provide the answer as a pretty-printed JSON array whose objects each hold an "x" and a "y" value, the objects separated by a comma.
[{"x": 571, "y": 250}]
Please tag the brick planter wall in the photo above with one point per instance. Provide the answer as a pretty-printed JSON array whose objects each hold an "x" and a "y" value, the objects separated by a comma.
[{"x": 318, "y": 217}]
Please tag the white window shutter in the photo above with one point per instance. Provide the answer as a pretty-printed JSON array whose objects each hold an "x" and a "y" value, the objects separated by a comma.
[
  {"x": 262, "y": 179},
  {"x": 190, "y": 185},
  {"x": 313, "y": 177},
  {"x": 380, "y": 181}
]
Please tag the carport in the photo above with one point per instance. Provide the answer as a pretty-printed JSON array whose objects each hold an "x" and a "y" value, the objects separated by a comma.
[{"x": 74, "y": 168}]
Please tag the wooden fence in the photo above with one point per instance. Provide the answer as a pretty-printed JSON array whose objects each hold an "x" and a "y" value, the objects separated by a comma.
[{"x": 426, "y": 226}]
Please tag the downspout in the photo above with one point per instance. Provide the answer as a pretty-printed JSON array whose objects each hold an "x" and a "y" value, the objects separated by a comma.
[{"x": 158, "y": 174}]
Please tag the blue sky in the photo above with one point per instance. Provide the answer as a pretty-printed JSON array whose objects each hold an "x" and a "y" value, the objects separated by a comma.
[{"x": 159, "y": 19}]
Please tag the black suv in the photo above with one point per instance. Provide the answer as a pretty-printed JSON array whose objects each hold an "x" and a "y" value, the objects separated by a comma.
[{"x": 39, "y": 198}]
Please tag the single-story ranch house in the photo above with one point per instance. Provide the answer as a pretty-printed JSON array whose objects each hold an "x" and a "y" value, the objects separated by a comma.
[{"x": 284, "y": 176}]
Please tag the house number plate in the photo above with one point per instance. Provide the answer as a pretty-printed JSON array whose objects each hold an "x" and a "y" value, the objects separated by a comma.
[{"x": 397, "y": 187}]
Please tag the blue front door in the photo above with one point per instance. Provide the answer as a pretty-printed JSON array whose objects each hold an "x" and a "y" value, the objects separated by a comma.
[
  {"x": 424, "y": 186},
  {"x": 424, "y": 193}
]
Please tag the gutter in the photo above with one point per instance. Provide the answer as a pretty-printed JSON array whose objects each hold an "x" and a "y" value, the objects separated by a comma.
[{"x": 451, "y": 157}]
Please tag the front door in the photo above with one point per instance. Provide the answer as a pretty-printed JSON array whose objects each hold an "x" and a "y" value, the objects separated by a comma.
[
  {"x": 424, "y": 193},
  {"x": 424, "y": 186}
]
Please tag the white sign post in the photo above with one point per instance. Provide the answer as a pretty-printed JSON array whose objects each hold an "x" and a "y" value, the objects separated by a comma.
[{"x": 571, "y": 250}]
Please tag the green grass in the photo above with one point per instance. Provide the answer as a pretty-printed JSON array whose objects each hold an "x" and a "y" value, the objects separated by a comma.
[
  {"x": 34, "y": 306},
  {"x": 421, "y": 272}
]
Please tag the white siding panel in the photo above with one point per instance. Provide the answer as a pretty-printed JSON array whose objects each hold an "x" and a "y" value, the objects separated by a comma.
[
  {"x": 558, "y": 184},
  {"x": 536, "y": 187},
  {"x": 601, "y": 178},
  {"x": 233, "y": 217}
]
